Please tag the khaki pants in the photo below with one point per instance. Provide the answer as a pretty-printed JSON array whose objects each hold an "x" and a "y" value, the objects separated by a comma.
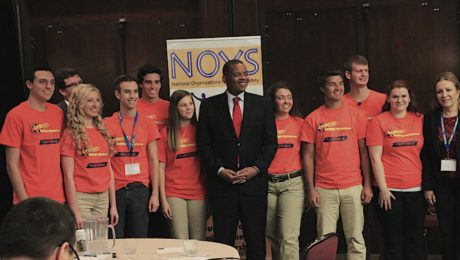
[
  {"x": 93, "y": 205},
  {"x": 347, "y": 203},
  {"x": 284, "y": 214},
  {"x": 189, "y": 218}
]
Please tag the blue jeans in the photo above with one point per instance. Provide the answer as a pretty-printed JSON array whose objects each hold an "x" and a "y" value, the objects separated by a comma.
[{"x": 132, "y": 206}]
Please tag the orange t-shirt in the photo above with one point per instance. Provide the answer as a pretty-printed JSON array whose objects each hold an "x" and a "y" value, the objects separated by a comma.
[
  {"x": 145, "y": 132},
  {"x": 157, "y": 112},
  {"x": 402, "y": 141},
  {"x": 287, "y": 157},
  {"x": 335, "y": 133},
  {"x": 91, "y": 170},
  {"x": 183, "y": 177},
  {"x": 37, "y": 135},
  {"x": 372, "y": 105}
]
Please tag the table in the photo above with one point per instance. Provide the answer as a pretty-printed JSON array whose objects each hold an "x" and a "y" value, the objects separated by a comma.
[{"x": 147, "y": 248}]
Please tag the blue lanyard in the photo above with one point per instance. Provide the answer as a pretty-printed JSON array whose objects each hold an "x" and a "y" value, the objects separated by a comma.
[
  {"x": 444, "y": 136},
  {"x": 129, "y": 144}
]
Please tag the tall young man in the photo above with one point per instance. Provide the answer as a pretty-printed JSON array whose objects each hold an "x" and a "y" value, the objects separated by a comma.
[
  {"x": 31, "y": 135},
  {"x": 360, "y": 96},
  {"x": 334, "y": 154},
  {"x": 151, "y": 105},
  {"x": 154, "y": 109},
  {"x": 135, "y": 164}
]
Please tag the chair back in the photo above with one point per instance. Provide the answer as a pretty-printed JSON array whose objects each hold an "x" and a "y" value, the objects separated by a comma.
[{"x": 323, "y": 248}]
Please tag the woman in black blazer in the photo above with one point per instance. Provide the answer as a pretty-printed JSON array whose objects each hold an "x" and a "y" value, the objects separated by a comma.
[{"x": 441, "y": 159}]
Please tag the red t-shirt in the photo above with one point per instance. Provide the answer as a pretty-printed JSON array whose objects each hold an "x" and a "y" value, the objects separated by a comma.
[
  {"x": 145, "y": 132},
  {"x": 157, "y": 112},
  {"x": 402, "y": 141},
  {"x": 287, "y": 157},
  {"x": 37, "y": 135},
  {"x": 91, "y": 169},
  {"x": 372, "y": 105},
  {"x": 183, "y": 177},
  {"x": 335, "y": 133}
]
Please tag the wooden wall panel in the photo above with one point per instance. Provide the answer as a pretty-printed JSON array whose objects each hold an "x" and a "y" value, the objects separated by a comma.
[
  {"x": 103, "y": 40},
  {"x": 302, "y": 44},
  {"x": 409, "y": 48},
  {"x": 146, "y": 43},
  {"x": 213, "y": 18},
  {"x": 402, "y": 39},
  {"x": 79, "y": 46}
]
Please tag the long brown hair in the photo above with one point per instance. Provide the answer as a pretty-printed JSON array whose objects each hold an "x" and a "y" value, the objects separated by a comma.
[{"x": 174, "y": 119}]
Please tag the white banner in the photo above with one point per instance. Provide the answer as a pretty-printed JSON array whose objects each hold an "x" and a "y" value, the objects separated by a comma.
[{"x": 196, "y": 65}]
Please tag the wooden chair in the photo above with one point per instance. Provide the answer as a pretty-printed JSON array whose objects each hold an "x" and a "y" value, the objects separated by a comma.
[{"x": 323, "y": 248}]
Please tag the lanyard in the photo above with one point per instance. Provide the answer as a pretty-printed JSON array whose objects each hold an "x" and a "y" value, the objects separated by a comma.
[
  {"x": 129, "y": 144},
  {"x": 444, "y": 137}
]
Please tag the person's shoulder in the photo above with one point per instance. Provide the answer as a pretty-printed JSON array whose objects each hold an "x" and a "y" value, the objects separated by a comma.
[
  {"x": 354, "y": 110},
  {"x": 415, "y": 115},
  {"x": 215, "y": 98},
  {"x": 110, "y": 119},
  {"x": 316, "y": 112},
  {"x": 384, "y": 116},
  {"x": 296, "y": 119},
  {"x": 254, "y": 96},
  {"x": 378, "y": 95},
  {"x": 163, "y": 102},
  {"x": 53, "y": 108},
  {"x": 18, "y": 109}
]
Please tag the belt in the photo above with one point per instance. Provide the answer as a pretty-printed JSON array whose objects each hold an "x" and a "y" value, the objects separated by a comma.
[
  {"x": 133, "y": 185},
  {"x": 284, "y": 177}
]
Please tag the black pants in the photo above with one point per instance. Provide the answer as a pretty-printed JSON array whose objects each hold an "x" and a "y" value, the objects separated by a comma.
[
  {"x": 403, "y": 225},
  {"x": 448, "y": 211},
  {"x": 132, "y": 206},
  {"x": 252, "y": 210}
]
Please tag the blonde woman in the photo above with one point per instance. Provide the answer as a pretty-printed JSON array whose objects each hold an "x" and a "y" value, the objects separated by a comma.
[
  {"x": 85, "y": 157},
  {"x": 441, "y": 156}
]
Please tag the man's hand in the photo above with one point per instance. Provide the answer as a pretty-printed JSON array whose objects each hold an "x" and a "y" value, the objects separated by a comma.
[
  {"x": 313, "y": 197},
  {"x": 228, "y": 175},
  {"x": 246, "y": 174},
  {"x": 430, "y": 197},
  {"x": 366, "y": 195},
  {"x": 154, "y": 202}
]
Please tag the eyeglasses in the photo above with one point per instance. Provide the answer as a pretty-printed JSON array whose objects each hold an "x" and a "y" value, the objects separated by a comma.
[
  {"x": 75, "y": 254},
  {"x": 72, "y": 250},
  {"x": 73, "y": 84}
]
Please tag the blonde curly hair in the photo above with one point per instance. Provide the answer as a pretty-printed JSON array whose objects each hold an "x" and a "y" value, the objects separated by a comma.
[{"x": 75, "y": 118}]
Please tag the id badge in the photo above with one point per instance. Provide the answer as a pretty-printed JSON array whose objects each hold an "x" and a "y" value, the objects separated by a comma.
[
  {"x": 448, "y": 165},
  {"x": 132, "y": 169}
]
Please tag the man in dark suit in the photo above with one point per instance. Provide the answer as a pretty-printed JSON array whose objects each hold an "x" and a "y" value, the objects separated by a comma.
[
  {"x": 66, "y": 80},
  {"x": 237, "y": 140}
]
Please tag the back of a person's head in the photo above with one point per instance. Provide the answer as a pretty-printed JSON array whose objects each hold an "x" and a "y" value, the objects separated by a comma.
[{"x": 35, "y": 228}]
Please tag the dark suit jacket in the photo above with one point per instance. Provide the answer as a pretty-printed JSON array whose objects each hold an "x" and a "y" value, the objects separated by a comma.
[
  {"x": 219, "y": 146},
  {"x": 63, "y": 106},
  {"x": 431, "y": 152}
]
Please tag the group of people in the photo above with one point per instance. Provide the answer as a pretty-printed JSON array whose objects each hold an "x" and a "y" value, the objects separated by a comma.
[{"x": 249, "y": 158}]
